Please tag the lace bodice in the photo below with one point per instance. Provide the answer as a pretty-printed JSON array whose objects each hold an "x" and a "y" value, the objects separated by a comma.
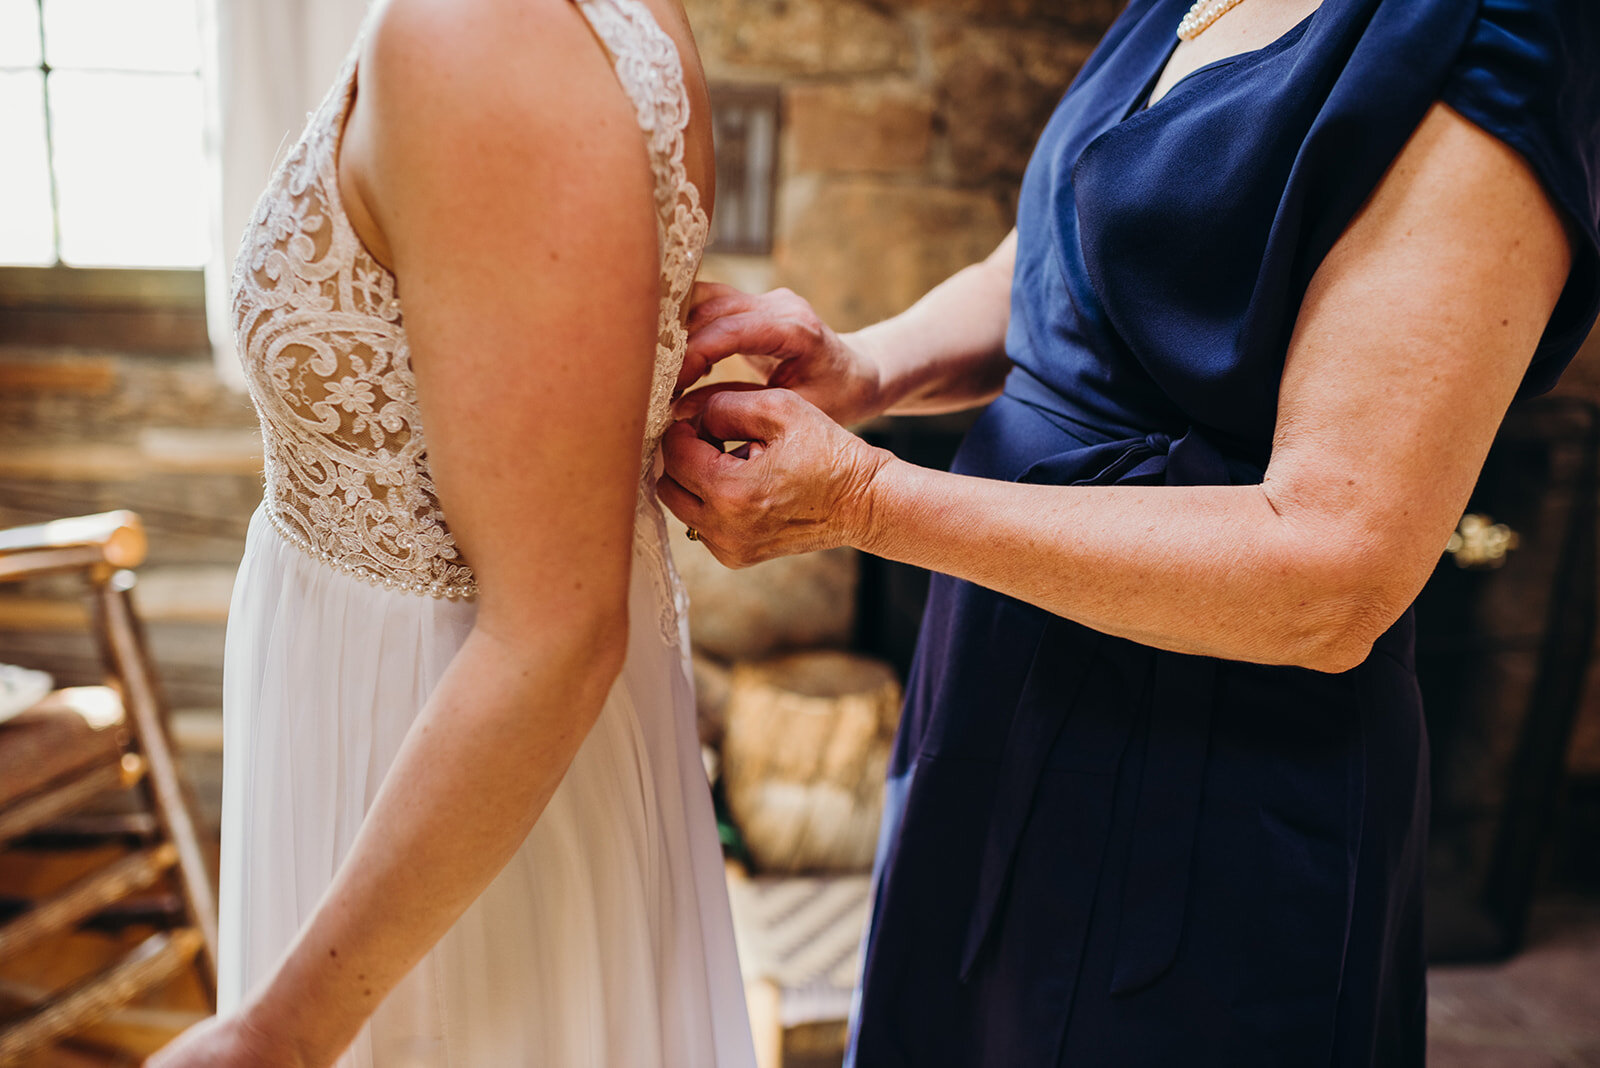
[{"x": 322, "y": 336}]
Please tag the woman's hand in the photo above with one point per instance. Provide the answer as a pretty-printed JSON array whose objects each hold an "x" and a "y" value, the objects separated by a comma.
[
  {"x": 946, "y": 353},
  {"x": 1407, "y": 349},
  {"x": 802, "y": 482},
  {"x": 229, "y": 1042},
  {"x": 783, "y": 337}
]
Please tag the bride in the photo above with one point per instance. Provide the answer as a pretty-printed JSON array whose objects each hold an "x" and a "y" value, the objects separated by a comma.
[{"x": 465, "y": 820}]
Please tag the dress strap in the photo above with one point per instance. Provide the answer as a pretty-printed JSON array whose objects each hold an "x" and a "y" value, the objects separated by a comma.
[{"x": 650, "y": 71}]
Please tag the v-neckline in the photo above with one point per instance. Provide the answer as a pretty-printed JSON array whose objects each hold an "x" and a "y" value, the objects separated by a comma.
[{"x": 1141, "y": 102}]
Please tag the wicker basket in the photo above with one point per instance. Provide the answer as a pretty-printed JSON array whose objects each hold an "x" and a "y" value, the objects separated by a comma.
[{"x": 807, "y": 744}]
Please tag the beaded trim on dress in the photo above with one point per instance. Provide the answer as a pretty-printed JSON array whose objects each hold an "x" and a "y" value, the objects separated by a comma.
[{"x": 321, "y": 335}]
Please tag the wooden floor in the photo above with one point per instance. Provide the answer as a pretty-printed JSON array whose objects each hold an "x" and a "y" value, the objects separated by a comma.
[{"x": 1539, "y": 1010}]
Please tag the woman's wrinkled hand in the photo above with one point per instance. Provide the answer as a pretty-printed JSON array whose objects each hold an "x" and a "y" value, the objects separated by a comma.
[
  {"x": 782, "y": 337},
  {"x": 229, "y": 1042},
  {"x": 799, "y": 483}
]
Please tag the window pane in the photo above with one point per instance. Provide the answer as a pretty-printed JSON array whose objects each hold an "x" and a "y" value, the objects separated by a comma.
[
  {"x": 123, "y": 34},
  {"x": 130, "y": 172},
  {"x": 19, "y": 33},
  {"x": 25, "y": 230}
]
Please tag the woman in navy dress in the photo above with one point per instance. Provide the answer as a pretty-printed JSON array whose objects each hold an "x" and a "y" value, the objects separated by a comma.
[{"x": 1160, "y": 790}]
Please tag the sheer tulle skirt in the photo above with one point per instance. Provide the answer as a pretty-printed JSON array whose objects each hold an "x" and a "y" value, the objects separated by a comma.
[{"x": 605, "y": 942}]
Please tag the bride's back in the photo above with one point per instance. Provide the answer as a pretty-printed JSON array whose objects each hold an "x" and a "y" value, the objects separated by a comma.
[
  {"x": 327, "y": 347},
  {"x": 511, "y": 18},
  {"x": 463, "y": 295}
]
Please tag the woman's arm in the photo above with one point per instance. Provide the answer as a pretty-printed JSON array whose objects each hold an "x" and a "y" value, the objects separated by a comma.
[
  {"x": 945, "y": 353},
  {"x": 507, "y": 172},
  {"x": 1410, "y": 345}
]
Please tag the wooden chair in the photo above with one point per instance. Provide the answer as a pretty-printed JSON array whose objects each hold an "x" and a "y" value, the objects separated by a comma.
[
  {"x": 73, "y": 747},
  {"x": 799, "y": 946}
]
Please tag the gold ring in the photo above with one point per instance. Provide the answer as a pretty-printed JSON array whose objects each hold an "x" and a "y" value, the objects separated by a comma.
[{"x": 694, "y": 535}]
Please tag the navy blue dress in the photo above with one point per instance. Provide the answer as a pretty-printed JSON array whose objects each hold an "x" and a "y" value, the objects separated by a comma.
[{"x": 1096, "y": 853}]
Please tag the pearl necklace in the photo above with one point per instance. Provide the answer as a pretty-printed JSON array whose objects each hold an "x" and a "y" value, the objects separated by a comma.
[{"x": 1202, "y": 15}]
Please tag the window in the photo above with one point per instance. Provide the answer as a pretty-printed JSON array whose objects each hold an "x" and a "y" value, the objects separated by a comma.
[
  {"x": 102, "y": 118},
  {"x": 744, "y": 121}
]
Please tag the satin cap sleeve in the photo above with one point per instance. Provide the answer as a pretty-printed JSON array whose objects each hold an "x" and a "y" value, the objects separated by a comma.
[{"x": 1529, "y": 74}]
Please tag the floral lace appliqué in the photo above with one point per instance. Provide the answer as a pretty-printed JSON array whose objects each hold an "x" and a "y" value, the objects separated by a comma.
[
  {"x": 322, "y": 338},
  {"x": 651, "y": 72}
]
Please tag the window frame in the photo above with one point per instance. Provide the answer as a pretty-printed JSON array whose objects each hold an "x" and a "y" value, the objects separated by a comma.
[{"x": 130, "y": 308}]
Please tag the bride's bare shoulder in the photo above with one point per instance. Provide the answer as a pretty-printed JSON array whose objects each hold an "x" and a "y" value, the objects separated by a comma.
[
  {"x": 448, "y": 46},
  {"x": 468, "y": 102}
]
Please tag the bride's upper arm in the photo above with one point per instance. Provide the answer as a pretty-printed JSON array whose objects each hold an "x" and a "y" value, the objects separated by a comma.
[{"x": 511, "y": 182}]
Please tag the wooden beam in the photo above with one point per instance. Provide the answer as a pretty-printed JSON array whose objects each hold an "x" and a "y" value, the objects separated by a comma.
[
  {"x": 107, "y": 539},
  {"x": 86, "y": 897},
  {"x": 156, "y": 960},
  {"x": 136, "y": 1029},
  {"x": 72, "y": 832},
  {"x": 171, "y": 797},
  {"x": 74, "y": 795},
  {"x": 53, "y": 804}
]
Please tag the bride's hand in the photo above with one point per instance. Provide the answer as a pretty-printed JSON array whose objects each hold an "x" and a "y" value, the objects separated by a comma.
[
  {"x": 801, "y": 483},
  {"x": 229, "y": 1042},
  {"x": 780, "y": 334}
]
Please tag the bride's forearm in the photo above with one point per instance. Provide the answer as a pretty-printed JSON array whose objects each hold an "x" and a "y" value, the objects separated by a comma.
[
  {"x": 475, "y": 771},
  {"x": 946, "y": 352}
]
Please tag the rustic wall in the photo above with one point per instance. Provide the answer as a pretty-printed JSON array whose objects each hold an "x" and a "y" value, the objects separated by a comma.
[
  {"x": 906, "y": 128},
  {"x": 1583, "y": 380},
  {"x": 88, "y": 431}
]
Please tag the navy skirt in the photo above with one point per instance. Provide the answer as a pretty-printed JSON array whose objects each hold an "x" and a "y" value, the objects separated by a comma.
[{"x": 1102, "y": 854}]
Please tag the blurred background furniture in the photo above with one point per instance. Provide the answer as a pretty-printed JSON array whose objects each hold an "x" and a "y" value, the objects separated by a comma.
[
  {"x": 805, "y": 744},
  {"x": 72, "y": 861},
  {"x": 799, "y": 946},
  {"x": 1505, "y": 631}
]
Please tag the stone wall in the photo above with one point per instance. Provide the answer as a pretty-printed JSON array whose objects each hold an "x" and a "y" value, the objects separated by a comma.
[
  {"x": 906, "y": 125},
  {"x": 906, "y": 128},
  {"x": 1583, "y": 380}
]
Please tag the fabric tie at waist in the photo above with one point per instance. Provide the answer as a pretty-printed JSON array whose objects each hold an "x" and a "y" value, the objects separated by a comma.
[{"x": 1155, "y": 881}]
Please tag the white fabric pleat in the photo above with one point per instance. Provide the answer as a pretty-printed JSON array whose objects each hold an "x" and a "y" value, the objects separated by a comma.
[{"x": 606, "y": 941}]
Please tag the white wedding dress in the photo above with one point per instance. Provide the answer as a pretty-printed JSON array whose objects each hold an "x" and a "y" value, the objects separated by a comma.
[{"x": 606, "y": 942}]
